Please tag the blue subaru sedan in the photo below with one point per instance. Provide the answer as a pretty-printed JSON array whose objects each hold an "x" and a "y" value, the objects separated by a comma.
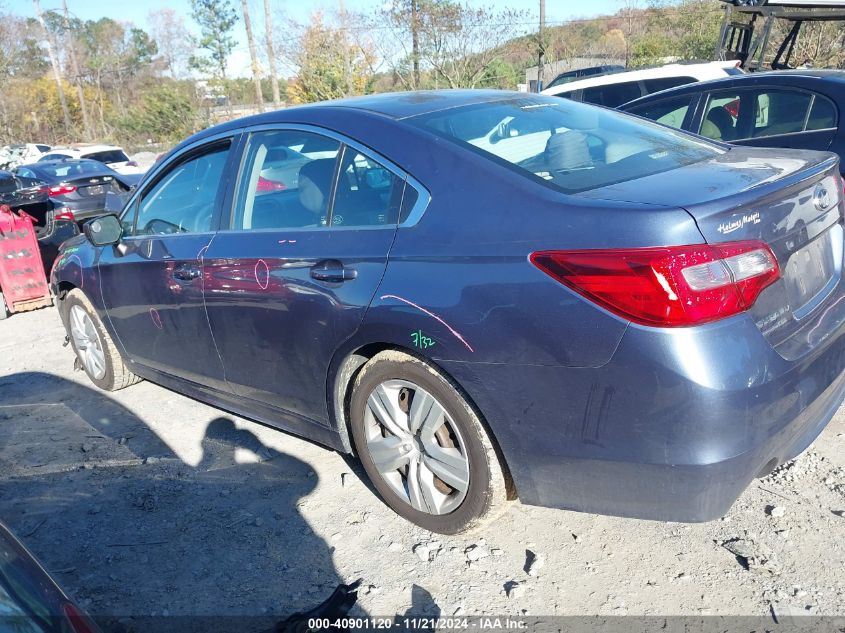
[{"x": 484, "y": 296}]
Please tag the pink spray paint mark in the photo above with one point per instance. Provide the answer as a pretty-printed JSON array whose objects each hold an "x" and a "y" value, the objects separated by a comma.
[
  {"x": 262, "y": 264},
  {"x": 201, "y": 252},
  {"x": 454, "y": 332},
  {"x": 287, "y": 241},
  {"x": 156, "y": 317}
]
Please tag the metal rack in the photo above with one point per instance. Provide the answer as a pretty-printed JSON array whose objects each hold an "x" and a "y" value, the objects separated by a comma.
[{"x": 746, "y": 31}]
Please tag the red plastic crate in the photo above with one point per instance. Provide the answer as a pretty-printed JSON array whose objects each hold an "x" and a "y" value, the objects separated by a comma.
[{"x": 22, "y": 279}]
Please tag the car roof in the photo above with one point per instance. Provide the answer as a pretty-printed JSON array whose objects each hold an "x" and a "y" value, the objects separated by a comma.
[
  {"x": 797, "y": 77},
  {"x": 63, "y": 161},
  {"x": 700, "y": 72},
  {"x": 86, "y": 148}
]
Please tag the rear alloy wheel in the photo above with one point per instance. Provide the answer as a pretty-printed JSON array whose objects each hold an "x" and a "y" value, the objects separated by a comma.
[
  {"x": 423, "y": 446},
  {"x": 94, "y": 348}
]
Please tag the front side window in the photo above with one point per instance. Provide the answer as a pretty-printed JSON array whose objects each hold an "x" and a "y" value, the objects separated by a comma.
[
  {"x": 721, "y": 116},
  {"x": 286, "y": 181},
  {"x": 569, "y": 145},
  {"x": 671, "y": 112},
  {"x": 182, "y": 200}
]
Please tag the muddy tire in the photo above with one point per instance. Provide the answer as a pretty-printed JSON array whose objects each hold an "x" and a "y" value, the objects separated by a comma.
[
  {"x": 94, "y": 348},
  {"x": 423, "y": 446}
]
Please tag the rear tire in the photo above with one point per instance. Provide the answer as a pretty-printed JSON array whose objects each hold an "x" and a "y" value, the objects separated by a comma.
[
  {"x": 436, "y": 464},
  {"x": 92, "y": 344}
]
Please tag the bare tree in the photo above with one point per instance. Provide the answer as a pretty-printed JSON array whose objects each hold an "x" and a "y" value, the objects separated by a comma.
[
  {"x": 461, "y": 42},
  {"x": 173, "y": 39},
  {"x": 271, "y": 54},
  {"x": 70, "y": 46},
  {"x": 253, "y": 56},
  {"x": 54, "y": 62}
]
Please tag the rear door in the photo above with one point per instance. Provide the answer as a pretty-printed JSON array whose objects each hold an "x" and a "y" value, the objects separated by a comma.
[
  {"x": 152, "y": 284},
  {"x": 312, "y": 223}
]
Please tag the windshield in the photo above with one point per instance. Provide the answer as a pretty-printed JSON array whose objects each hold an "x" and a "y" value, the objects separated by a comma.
[{"x": 569, "y": 145}]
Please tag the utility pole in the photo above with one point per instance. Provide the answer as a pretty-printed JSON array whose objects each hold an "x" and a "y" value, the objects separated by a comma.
[
  {"x": 541, "y": 47},
  {"x": 54, "y": 62},
  {"x": 253, "y": 56},
  {"x": 415, "y": 42},
  {"x": 271, "y": 54},
  {"x": 347, "y": 66},
  {"x": 77, "y": 79}
]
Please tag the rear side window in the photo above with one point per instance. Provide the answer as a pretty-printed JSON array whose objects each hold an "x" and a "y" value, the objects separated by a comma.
[
  {"x": 182, "y": 200},
  {"x": 664, "y": 83},
  {"x": 671, "y": 112},
  {"x": 780, "y": 112},
  {"x": 569, "y": 145},
  {"x": 612, "y": 95},
  {"x": 367, "y": 193},
  {"x": 822, "y": 114},
  {"x": 110, "y": 156},
  {"x": 286, "y": 181}
]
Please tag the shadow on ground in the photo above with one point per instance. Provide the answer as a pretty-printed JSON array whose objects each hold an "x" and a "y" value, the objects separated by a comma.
[{"x": 130, "y": 537}]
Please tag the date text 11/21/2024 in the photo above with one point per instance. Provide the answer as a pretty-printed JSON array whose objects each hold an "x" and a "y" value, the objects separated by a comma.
[{"x": 422, "y": 623}]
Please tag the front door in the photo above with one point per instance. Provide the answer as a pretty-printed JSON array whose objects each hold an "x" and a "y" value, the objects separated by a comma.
[
  {"x": 152, "y": 283},
  {"x": 311, "y": 228}
]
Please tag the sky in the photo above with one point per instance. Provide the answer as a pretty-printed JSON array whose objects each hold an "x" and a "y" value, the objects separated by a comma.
[{"x": 136, "y": 11}]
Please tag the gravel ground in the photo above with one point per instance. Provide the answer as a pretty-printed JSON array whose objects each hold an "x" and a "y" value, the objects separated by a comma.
[{"x": 146, "y": 502}]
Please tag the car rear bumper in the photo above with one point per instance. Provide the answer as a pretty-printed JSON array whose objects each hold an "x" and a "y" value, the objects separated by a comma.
[{"x": 674, "y": 427}]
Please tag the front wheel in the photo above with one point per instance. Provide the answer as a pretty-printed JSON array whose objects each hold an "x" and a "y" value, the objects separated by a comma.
[
  {"x": 423, "y": 446},
  {"x": 94, "y": 348}
]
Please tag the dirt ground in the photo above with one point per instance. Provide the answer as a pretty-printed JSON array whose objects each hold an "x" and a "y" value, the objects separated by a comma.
[{"x": 144, "y": 502}]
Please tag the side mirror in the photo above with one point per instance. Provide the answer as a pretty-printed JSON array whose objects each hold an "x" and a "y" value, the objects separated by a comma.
[{"x": 103, "y": 230}]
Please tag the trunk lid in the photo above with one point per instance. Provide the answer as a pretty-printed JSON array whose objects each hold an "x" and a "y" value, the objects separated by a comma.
[
  {"x": 94, "y": 186},
  {"x": 793, "y": 203}
]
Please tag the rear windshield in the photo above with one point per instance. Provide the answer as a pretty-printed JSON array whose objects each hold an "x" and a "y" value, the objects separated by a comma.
[
  {"x": 71, "y": 169},
  {"x": 569, "y": 145},
  {"x": 109, "y": 156}
]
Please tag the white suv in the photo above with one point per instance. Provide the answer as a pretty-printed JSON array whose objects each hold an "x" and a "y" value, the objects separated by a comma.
[
  {"x": 614, "y": 89},
  {"x": 111, "y": 155}
]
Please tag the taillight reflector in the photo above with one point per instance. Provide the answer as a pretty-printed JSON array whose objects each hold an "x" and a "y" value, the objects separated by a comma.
[
  {"x": 264, "y": 184},
  {"x": 58, "y": 190},
  {"x": 671, "y": 286}
]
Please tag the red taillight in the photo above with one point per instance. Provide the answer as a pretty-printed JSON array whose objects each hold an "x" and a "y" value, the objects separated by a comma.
[
  {"x": 67, "y": 214},
  {"x": 668, "y": 286},
  {"x": 269, "y": 185},
  {"x": 59, "y": 190},
  {"x": 78, "y": 622}
]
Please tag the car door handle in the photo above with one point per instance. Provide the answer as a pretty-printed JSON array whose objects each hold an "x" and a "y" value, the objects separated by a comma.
[
  {"x": 332, "y": 270},
  {"x": 187, "y": 273}
]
